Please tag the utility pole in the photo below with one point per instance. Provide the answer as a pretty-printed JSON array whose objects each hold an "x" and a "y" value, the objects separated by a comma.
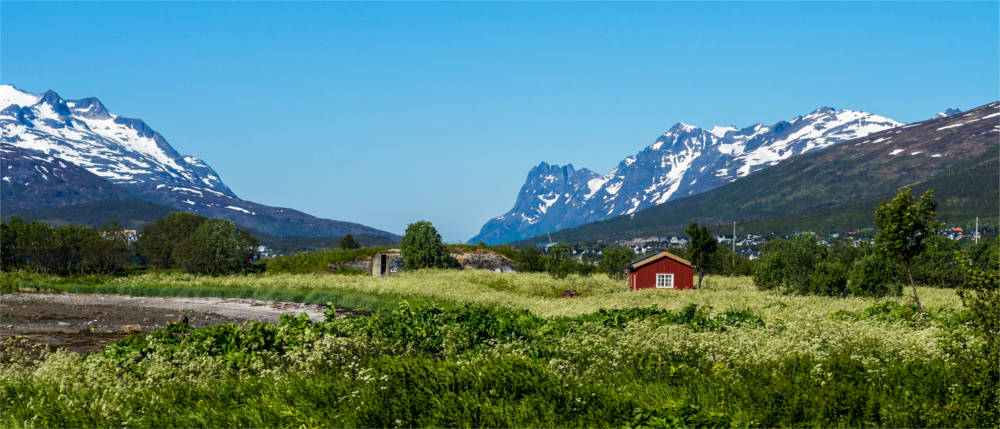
[
  {"x": 734, "y": 243},
  {"x": 977, "y": 229}
]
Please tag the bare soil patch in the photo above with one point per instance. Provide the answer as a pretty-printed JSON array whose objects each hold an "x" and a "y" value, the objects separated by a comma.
[{"x": 87, "y": 323}]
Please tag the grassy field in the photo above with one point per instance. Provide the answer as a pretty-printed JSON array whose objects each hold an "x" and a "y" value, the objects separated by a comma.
[{"x": 467, "y": 348}]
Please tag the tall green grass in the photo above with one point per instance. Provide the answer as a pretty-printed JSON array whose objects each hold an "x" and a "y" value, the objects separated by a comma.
[{"x": 475, "y": 366}]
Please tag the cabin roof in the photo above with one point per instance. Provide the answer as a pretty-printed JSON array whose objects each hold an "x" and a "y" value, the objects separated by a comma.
[{"x": 635, "y": 265}]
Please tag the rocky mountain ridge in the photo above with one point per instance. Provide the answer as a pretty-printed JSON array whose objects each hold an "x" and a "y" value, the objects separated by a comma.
[{"x": 686, "y": 160}]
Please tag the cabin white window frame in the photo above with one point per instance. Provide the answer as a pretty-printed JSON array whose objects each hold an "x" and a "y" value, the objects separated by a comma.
[{"x": 664, "y": 280}]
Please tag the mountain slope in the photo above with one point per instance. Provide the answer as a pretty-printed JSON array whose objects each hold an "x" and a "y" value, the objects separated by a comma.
[
  {"x": 955, "y": 155},
  {"x": 684, "y": 161},
  {"x": 98, "y": 155},
  {"x": 32, "y": 179}
]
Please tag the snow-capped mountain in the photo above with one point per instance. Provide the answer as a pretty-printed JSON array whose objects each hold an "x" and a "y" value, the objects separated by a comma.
[
  {"x": 946, "y": 113},
  {"x": 684, "y": 161},
  {"x": 57, "y": 152},
  {"x": 124, "y": 151}
]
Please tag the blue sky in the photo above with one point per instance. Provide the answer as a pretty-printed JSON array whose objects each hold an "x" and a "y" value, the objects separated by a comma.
[{"x": 387, "y": 113}]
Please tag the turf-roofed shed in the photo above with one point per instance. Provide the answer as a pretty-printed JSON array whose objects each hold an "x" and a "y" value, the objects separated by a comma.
[{"x": 663, "y": 270}]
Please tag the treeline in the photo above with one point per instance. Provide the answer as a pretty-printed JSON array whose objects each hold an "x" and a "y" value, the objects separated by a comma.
[
  {"x": 906, "y": 250},
  {"x": 194, "y": 243},
  {"x": 65, "y": 250}
]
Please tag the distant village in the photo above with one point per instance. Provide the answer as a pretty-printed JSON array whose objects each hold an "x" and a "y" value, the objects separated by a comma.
[{"x": 749, "y": 245}]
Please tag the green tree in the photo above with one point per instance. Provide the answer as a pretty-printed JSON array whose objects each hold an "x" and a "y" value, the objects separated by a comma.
[
  {"x": 347, "y": 242},
  {"x": 614, "y": 260},
  {"x": 786, "y": 265},
  {"x": 106, "y": 250},
  {"x": 422, "y": 247},
  {"x": 559, "y": 264},
  {"x": 38, "y": 247},
  {"x": 903, "y": 226},
  {"x": 157, "y": 240},
  {"x": 10, "y": 257},
  {"x": 703, "y": 246},
  {"x": 530, "y": 260},
  {"x": 936, "y": 265},
  {"x": 216, "y": 247},
  {"x": 560, "y": 251}
]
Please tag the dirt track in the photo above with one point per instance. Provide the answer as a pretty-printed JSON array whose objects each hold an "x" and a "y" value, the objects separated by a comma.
[{"x": 86, "y": 323}]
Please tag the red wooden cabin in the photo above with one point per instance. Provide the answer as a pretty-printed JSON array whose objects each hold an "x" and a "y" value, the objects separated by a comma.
[{"x": 663, "y": 270}]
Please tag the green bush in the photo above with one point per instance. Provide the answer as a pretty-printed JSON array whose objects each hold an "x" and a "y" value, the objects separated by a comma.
[
  {"x": 786, "y": 266},
  {"x": 215, "y": 247},
  {"x": 827, "y": 278},
  {"x": 874, "y": 275},
  {"x": 319, "y": 262}
]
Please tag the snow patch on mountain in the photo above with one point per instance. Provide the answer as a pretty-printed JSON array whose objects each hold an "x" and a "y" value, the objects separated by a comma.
[{"x": 947, "y": 112}]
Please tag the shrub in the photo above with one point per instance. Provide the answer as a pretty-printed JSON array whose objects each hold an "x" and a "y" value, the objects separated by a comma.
[
  {"x": 529, "y": 259},
  {"x": 828, "y": 278},
  {"x": 787, "y": 265},
  {"x": 319, "y": 262},
  {"x": 874, "y": 275}
]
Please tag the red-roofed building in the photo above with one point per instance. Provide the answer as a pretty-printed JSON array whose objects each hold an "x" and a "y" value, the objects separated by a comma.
[{"x": 663, "y": 270}]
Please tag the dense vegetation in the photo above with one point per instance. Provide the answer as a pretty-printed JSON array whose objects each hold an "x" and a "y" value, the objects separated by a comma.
[
  {"x": 71, "y": 249},
  {"x": 196, "y": 244},
  {"x": 514, "y": 358},
  {"x": 824, "y": 339},
  {"x": 178, "y": 240}
]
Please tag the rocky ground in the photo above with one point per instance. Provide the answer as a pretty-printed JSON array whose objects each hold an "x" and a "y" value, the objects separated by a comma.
[{"x": 87, "y": 323}]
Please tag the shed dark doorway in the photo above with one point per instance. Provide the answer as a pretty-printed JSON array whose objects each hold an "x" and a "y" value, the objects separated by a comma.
[{"x": 384, "y": 264}]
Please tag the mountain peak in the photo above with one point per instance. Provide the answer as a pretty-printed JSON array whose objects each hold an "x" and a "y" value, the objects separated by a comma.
[
  {"x": 52, "y": 99},
  {"x": 91, "y": 108},
  {"x": 681, "y": 127},
  {"x": 682, "y": 162}
]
